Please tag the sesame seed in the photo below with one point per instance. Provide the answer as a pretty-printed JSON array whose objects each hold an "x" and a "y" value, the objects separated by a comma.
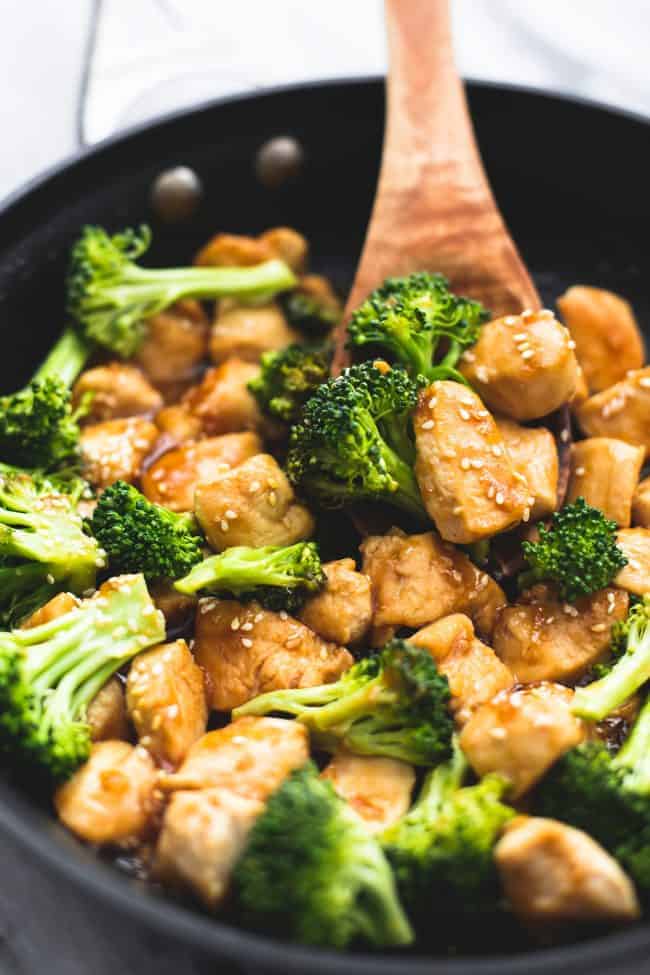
[
  {"x": 645, "y": 382},
  {"x": 258, "y": 617},
  {"x": 468, "y": 356},
  {"x": 235, "y": 624},
  {"x": 273, "y": 499},
  {"x": 458, "y": 509},
  {"x": 157, "y": 670},
  {"x": 465, "y": 464},
  {"x": 497, "y": 450},
  {"x": 510, "y": 320},
  {"x": 223, "y": 524},
  {"x": 248, "y": 626},
  {"x": 230, "y": 514},
  {"x": 464, "y": 415},
  {"x": 521, "y": 337},
  {"x": 498, "y": 733},
  {"x": 284, "y": 615},
  {"x": 254, "y": 486},
  {"x": 477, "y": 463},
  {"x": 246, "y": 642},
  {"x": 432, "y": 402},
  {"x": 570, "y": 344},
  {"x": 526, "y": 515},
  {"x": 564, "y": 436},
  {"x": 599, "y": 628},
  {"x": 527, "y": 353},
  {"x": 172, "y": 711},
  {"x": 499, "y": 498},
  {"x": 156, "y": 722},
  {"x": 579, "y": 471},
  {"x": 428, "y": 425},
  {"x": 491, "y": 491}
]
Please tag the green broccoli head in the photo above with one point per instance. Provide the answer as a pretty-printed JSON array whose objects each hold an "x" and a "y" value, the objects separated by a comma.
[
  {"x": 50, "y": 673},
  {"x": 309, "y": 314},
  {"x": 140, "y": 536},
  {"x": 394, "y": 703},
  {"x": 38, "y": 427},
  {"x": 628, "y": 672},
  {"x": 289, "y": 377},
  {"x": 278, "y": 577},
  {"x": 312, "y": 873},
  {"x": 109, "y": 296},
  {"x": 419, "y": 323},
  {"x": 43, "y": 546},
  {"x": 354, "y": 442},
  {"x": 578, "y": 552}
]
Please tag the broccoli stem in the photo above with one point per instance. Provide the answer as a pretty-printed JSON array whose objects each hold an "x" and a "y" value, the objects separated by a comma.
[
  {"x": 65, "y": 360},
  {"x": 598, "y": 699},
  {"x": 240, "y": 569},
  {"x": 634, "y": 755},
  {"x": 407, "y": 493},
  {"x": 164, "y": 287},
  {"x": 300, "y": 700}
]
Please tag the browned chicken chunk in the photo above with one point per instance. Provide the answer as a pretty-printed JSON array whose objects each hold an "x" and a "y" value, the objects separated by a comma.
[
  {"x": 523, "y": 365},
  {"x": 115, "y": 449},
  {"x": 342, "y": 611},
  {"x": 604, "y": 329},
  {"x": 378, "y": 789},
  {"x": 468, "y": 483},
  {"x": 106, "y": 714},
  {"x": 621, "y": 411},
  {"x": 174, "y": 348},
  {"x": 177, "y": 608},
  {"x": 245, "y": 332},
  {"x": 178, "y": 424},
  {"x": 605, "y": 472},
  {"x": 533, "y": 454},
  {"x": 222, "y": 402},
  {"x": 417, "y": 579},
  {"x": 521, "y": 732},
  {"x": 641, "y": 504},
  {"x": 224, "y": 782},
  {"x": 57, "y": 606},
  {"x": 234, "y": 250},
  {"x": 474, "y": 671},
  {"x": 115, "y": 391},
  {"x": 252, "y": 504},
  {"x": 543, "y": 638},
  {"x": 166, "y": 698},
  {"x": 172, "y": 480},
  {"x": 287, "y": 244},
  {"x": 246, "y": 650},
  {"x": 553, "y": 874},
  {"x": 111, "y": 798},
  {"x": 635, "y": 545}
]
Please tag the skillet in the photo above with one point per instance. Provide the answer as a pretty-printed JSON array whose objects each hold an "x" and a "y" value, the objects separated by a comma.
[{"x": 571, "y": 179}]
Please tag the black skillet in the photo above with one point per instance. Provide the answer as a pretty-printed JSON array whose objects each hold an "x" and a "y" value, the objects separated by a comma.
[{"x": 572, "y": 181}]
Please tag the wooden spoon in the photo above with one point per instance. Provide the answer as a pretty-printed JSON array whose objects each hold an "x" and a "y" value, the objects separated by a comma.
[{"x": 434, "y": 209}]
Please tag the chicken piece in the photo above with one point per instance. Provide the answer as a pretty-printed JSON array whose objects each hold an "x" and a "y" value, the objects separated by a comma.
[
  {"x": 114, "y": 391},
  {"x": 342, "y": 611},
  {"x": 288, "y": 245},
  {"x": 520, "y": 733},
  {"x": 175, "y": 348},
  {"x": 178, "y": 423},
  {"x": 218, "y": 793},
  {"x": 107, "y": 715},
  {"x": 378, "y": 789},
  {"x": 604, "y": 329},
  {"x": 417, "y": 579},
  {"x": 246, "y": 651},
  {"x": 222, "y": 402},
  {"x": 250, "y": 757},
  {"x": 115, "y": 449},
  {"x": 555, "y": 874},
  {"x": 635, "y": 545},
  {"x": 605, "y": 472},
  {"x": 523, "y": 365},
  {"x": 641, "y": 504},
  {"x": 252, "y": 504},
  {"x": 165, "y": 695},
  {"x": 533, "y": 454},
  {"x": 621, "y": 411},
  {"x": 582, "y": 391},
  {"x": 234, "y": 250},
  {"x": 542, "y": 638},
  {"x": 172, "y": 479},
  {"x": 177, "y": 608},
  {"x": 474, "y": 671},
  {"x": 59, "y": 605},
  {"x": 468, "y": 483},
  {"x": 110, "y": 799},
  {"x": 245, "y": 332},
  {"x": 202, "y": 837}
]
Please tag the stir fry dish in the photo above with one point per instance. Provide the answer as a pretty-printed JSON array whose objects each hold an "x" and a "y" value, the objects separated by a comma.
[{"x": 351, "y": 660}]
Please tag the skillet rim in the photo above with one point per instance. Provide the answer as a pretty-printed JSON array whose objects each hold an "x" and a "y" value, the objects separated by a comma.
[{"x": 21, "y": 820}]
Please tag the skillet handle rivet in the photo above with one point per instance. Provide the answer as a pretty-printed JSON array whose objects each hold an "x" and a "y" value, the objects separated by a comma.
[
  {"x": 278, "y": 161},
  {"x": 176, "y": 194}
]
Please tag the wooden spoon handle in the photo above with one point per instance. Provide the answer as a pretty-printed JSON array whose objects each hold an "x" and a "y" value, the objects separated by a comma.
[{"x": 434, "y": 209}]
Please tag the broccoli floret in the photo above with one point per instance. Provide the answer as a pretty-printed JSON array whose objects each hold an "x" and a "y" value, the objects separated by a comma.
[
  {"x": 578, "y": 552},
  {"x": 289, "y": 377},
  {"x": 43, "y": 546},
  {"x": 312, "y": 873},
  {"x": 309, "y": 314},
  {"x": 607, "y": 796},
  {"x": 109, "y": 296},
  {"x": 277, "y": 576},
  {"x": 354, "y": 441},
  {"x": 630, "y": 670},
  {"x": 140, "y": 536},
  {"x": 419, "y": 323},
  {"x": 38, "y": 426},
  {"x": 441, "y": 850},
  {"x": 394, "y": 703},
  {"x": 50, "y": 673}
]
